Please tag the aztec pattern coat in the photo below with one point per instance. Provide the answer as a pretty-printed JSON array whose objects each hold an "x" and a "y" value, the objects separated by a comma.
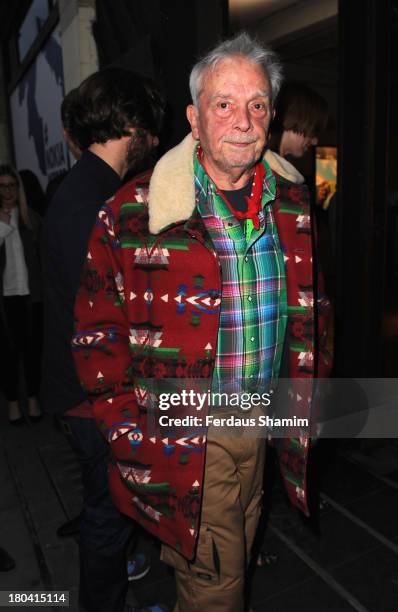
[{"x": 134, "y": 322}]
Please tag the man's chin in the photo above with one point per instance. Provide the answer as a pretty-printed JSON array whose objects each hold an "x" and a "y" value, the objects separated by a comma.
[
  {"x": 244, "y": 163},
  {"x": 243, "y": 158}
]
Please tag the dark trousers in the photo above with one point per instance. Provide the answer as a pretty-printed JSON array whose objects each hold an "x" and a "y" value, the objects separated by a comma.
[
  {"x": 21, "y": 342},
  {"x": 104, "y": 531}
]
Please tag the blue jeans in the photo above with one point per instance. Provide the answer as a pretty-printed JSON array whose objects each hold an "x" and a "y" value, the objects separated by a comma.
[{"x": 104, "y": 531}]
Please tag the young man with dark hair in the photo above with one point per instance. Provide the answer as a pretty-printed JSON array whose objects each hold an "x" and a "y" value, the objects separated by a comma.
[
  {"x": 116, "y": 118},
  {"x": 301, "y": 115},
  {"x": 109, "y": 102}
]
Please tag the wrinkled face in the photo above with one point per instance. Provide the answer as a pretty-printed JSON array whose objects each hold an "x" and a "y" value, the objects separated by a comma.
[
  {"x": 298, "y": 144},
  {"x": 233, "y": 115},
  {"x": 8, "y": 191}
]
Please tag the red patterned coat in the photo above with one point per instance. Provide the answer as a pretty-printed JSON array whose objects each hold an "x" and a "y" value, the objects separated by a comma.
[{"x": 134, "y": 323}]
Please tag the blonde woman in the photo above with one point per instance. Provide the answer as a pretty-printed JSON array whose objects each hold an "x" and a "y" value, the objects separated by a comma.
[{"x": 21, "y": 312}]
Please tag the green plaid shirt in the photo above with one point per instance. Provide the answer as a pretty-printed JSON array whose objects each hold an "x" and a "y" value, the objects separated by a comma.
[{"x": 254, "y": 304}]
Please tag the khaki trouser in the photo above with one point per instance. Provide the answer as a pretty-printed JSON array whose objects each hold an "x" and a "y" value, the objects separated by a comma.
[{"x": 214, "y": 582}]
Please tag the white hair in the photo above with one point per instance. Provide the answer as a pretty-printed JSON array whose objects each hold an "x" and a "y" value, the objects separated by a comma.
[{"x": 241, "y": 45}]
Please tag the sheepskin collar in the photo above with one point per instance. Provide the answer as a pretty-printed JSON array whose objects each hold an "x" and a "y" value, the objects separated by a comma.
[
  {"x": 281, "y": 166},
  {"x": 172, "y": 187}
]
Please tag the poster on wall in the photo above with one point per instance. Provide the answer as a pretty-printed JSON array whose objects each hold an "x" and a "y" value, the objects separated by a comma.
[{"x": 35, "y": 108}]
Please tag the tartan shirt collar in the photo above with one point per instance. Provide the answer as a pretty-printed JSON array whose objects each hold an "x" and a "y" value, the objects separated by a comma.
[
  {"x": 203, "y": 183},
  {"x": 204, "y": 186}
]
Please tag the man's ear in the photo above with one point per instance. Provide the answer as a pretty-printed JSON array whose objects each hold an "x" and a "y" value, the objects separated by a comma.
[{"x": 192, "y": 116}]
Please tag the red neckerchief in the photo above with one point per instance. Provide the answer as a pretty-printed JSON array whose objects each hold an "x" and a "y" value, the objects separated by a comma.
[{"x": 253, "y": 201}]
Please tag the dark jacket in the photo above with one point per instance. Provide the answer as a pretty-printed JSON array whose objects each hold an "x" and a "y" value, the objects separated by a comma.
[{"x": 66, "y": 230}]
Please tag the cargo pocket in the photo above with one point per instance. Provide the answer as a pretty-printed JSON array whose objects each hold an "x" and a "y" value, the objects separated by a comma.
[{"x": 206, "y": 564}]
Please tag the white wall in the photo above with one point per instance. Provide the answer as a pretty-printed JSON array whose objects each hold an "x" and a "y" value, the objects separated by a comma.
[{"x": 79, "y": 51}]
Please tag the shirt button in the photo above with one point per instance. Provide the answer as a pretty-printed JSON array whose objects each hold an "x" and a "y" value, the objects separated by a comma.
[
  {"x": 252, "y": 339},
  {"x": 246, "y": 259},
  {"x": 249, "y": 298},
  {"x": 251, "y": 376}
]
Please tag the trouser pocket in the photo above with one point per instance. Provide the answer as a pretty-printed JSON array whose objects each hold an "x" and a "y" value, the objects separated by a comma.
[{"x": 206, "y": 564}]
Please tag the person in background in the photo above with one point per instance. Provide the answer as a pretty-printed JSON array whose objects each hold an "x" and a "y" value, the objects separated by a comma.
[
  {"x": 116, "y": 118},
  {"x": 21, "y": 295},
  {"x": 72, "y": 526},
  {"x": 301, "y": 115}
]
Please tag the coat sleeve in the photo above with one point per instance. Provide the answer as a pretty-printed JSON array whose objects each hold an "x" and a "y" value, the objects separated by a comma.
[{"x": 100, "y": 343}]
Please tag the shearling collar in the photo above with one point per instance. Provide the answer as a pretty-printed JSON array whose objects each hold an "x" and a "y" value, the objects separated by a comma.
[
  {"x": 172, "y": 187},
  {"x": 280, "y": 165}
]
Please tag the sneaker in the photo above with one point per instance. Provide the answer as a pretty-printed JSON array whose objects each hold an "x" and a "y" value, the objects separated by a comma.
[{"x": 137, "y": 567}]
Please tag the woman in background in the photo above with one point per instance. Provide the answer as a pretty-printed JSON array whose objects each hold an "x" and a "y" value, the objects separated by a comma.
[
  {"x": 21, "y": 311},
  {"x": 301, "y": 115}
]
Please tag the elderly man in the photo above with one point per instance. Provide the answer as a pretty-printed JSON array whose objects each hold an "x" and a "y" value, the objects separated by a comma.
[{"x": 202, "y": 283}]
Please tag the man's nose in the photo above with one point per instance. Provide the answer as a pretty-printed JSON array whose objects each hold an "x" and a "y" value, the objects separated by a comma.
[{"x": 242, "y": 119}]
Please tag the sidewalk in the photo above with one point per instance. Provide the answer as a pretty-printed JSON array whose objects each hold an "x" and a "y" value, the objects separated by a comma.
[
  {"x": 40, "y": 480},
  {"x": 41, "y": 489},
  {"x": 353, "y": 565}
]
